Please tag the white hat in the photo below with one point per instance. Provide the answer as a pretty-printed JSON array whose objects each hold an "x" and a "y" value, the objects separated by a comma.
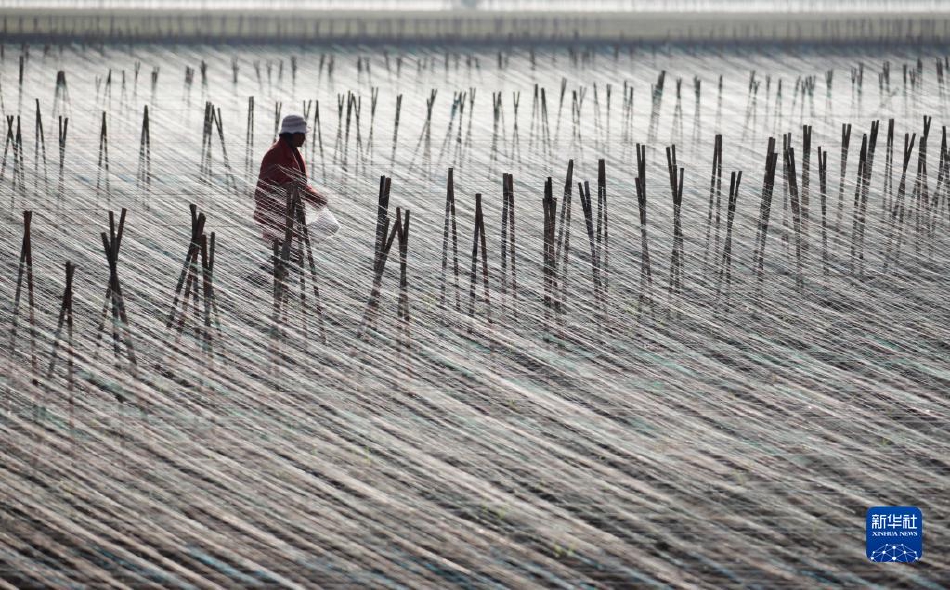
[{"x": 293, "y": 124}]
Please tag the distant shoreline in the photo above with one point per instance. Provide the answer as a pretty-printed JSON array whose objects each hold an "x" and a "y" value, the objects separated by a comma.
[{"x": 93, "y": 25}]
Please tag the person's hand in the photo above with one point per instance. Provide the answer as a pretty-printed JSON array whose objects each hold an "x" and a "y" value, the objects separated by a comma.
[{"x": 320, "y": 198}]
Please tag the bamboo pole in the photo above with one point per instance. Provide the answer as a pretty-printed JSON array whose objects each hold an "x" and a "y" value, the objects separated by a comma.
[
  {"x": 61, "y": 182},
  {"x": 508, "y": 242},
  {"x": 548, "y": 251},
  {"x": 25, "y": 267},
  {"x": 449, "y": 226},
  {"x": 478, "y": 246},
  {"x": 65, "y": 315},
  {"x": 646, "y": 275},
  {"x": 725, "y": 274},
  {"x": 103, "y": 165},
  {"x": 676, "y": 260},
  {"x": 111, "y": 243}
]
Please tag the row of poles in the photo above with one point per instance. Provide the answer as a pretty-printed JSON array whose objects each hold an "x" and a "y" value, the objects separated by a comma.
[
  {"x": 540, "y": 136},
  {"x": 924, "y": 206},
  {"x": 195, "y": 287}
]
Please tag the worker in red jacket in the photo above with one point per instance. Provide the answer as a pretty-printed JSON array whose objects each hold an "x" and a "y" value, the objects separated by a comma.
[{"x": 283, "y": 165}]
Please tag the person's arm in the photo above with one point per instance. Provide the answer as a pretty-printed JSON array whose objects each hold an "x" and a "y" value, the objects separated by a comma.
[
  {"x": 309, "y": 194},
  {"x": 284, "y": 177},
  {"x": 314, "y": 197}
]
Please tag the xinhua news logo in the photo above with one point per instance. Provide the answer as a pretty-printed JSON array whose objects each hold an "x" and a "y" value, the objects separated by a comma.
[{"x": 895, "y": 534}]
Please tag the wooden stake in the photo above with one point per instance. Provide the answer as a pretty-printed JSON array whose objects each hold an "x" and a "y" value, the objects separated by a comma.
[
  {"x": 508, "y": 241},
  {"x": 190, "y": 266},
  {"x": 897, "y": 213},
  {"x": 805, "y": 188},
  {"x": 61, "y": 183},
  {"x": 402, "y": 236},
  {"x": 478, "y": 243},
  {"x": 316, "y": 123},
  {"x": 921, "y": 194},
  {"x": 224, "y": 152},
  {"x": 768, "y": 186},
  {"x": 65, "y": 314},
  {"x": 584, "y": 194},
  {"x": 888, "y": 171},
  {"x": 448, "y": 227},
  {"x": 646, "y": 274},
  {"x": 144, "y": 173},
  {"x": 111, "y": 243},
  {"x": 296, "y": 245},
  {"x": 796, "y": 212},
  {"x": 603, "y": 244},
  {"x": 372, "y": 305},
  {"x": 103, "y": 166},
  {"x": 392, "y": 159},
  {"x": 40, "y": 147},
  {"x": 26, "y": 264},
  {"x": 249, "y": 139},
  {"x": 845, "y": 141},
  {"x": 676, "y": 261},
  {"x": 564, "y": 238},
  {"x": 865, "y": 186},
  {"x": 548, "y": 252},
  {"x": 725, "y": 274},
  {"x": 715, "y": 190}
]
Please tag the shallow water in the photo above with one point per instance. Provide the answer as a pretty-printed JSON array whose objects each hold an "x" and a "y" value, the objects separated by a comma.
[{"x": 730, "y": 434}]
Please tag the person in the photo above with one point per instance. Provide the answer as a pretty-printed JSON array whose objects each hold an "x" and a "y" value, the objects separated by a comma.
[{"x": 282, "y": 166}]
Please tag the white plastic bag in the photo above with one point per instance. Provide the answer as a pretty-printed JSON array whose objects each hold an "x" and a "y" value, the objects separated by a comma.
[{"x": 324, "y": 226}]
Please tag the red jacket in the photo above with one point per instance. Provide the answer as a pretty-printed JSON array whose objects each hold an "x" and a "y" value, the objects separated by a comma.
[{"x": 282, "y": 165}]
